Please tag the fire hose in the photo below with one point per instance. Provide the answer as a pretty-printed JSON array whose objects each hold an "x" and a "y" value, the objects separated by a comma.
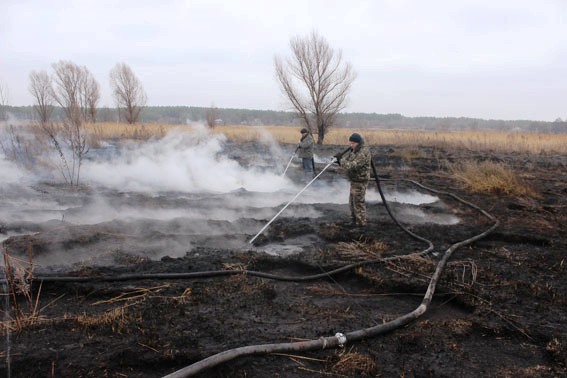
[
  {"x": 337, "y": 340},
  {"x": 340, "y": 339}
]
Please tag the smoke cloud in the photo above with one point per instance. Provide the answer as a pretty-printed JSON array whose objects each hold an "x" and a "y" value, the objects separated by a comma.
[
  {"x": 164, "y": 197},
  {"x": 189, "y": 162}
]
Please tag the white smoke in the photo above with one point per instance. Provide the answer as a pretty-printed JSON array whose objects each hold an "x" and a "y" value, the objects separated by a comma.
[
  {"x": 189, "y": 162},
  {"x": 190, "y": 167}
]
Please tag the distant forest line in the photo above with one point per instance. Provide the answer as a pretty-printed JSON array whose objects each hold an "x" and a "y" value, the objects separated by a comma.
[{"x": 228, "y": 116}]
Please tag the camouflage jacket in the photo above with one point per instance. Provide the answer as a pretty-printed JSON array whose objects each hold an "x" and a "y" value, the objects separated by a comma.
[
  {"x": 357, "y": 164},
  {"x": 305, "y": 147}
]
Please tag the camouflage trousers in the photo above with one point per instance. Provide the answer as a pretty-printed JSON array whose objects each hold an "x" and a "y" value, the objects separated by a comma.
[{"x": 357, "y": 202}]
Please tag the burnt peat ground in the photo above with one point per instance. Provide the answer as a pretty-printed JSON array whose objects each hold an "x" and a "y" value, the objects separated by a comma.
[{"x": 499, "y": 309}]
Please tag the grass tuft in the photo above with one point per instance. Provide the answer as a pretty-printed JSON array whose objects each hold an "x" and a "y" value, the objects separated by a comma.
[
  {"x": 363, "y": 251},
  {"x": 490, "y": 177},
  {"x": 355, "y": 364}
]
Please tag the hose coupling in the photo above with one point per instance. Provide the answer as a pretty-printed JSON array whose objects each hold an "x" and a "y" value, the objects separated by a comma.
[{"x": 341, "y": 338}]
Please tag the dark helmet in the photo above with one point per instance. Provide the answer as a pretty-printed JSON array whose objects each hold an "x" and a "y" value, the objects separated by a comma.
[
  {"x": 304, "y": 131},
  {"x": 355, "y": 138}
]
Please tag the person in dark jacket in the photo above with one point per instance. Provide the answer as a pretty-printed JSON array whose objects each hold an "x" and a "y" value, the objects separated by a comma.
[
  {"x": 357, "y": 164},
  {"x": 305, "y": 150}
]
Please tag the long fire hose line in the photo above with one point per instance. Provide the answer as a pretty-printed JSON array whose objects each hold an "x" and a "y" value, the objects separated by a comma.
[
  {"x": 340, "y": 339},
  {"x": 387, "y": 206},
  {"x": 217, "y": 273}
]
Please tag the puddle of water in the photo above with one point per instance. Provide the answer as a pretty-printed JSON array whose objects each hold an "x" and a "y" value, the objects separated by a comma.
[
  {"x": 410, "y": 198},
  {"x": 418, "y": 216},
  {"x": 281, "y": 250}
]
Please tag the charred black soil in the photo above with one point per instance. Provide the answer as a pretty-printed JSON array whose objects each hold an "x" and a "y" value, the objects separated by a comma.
[{"x": 499, "y": 309}]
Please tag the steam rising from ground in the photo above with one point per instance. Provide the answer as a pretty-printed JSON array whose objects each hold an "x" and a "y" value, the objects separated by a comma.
[
  {"x": 184, "y": 190},
  {"x": 194, "y": 166},
  {"x": 189, "y": 162},
  {"x": 10, "y": 173}
]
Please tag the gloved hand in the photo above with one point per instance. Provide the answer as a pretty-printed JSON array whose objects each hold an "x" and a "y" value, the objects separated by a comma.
[{"x": 338, "y": 158}]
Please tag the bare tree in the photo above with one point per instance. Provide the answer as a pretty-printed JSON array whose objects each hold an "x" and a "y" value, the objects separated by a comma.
[
  {"x": 316, "y": 81},
  {"x": 211, "y": 116},
  {"x": 90, "y": 96},
  {"x": 128, "y": 92},
  {"x": 3, "y": 103},
  {"x": 16, "y": 142},
  {"x": 74, "y": 90},
  {"x": 42, "y": 91}
]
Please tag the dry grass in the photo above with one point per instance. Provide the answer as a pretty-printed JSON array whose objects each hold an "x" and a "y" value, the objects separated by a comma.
[
  {"x": 535, "y": 143},
  {"x": 462, "y": 273},
  {"x": 19, "y": 275},
  {"x": 489, "y": 177},
  {"x": 109, "y": 130},
  {"x": 143, "y": 293},
  {"x": 117, "y": 318},
  {"x": 458, "y": 326},
  {"x": 408, "y": 153},
  {"x": 361, "y": 251},
  {"x": 408, "y": 140},
  {"x": 355, "y": 364}
]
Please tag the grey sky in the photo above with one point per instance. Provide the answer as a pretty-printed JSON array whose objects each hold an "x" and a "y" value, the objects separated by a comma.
[{"x": 491, "y": 59}]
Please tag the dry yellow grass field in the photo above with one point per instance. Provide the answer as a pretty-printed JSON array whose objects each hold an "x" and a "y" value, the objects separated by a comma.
[
  {"x": 533, "y": 143},
  {"x": 476, "y": 176}
]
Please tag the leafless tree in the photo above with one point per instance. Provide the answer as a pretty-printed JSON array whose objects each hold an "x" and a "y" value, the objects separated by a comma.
[
  {"x": 128, "y": 92},
  {"x": 75, "y": 90},
  {"x": 316, "y": 81},
  {"x": 42, "y": 91},
  {"x": 90, "y": 96},
  {"x": 3, "y": 103},
  {"x": 211, "y": 116},
  {"x": 15, "y": 141}
]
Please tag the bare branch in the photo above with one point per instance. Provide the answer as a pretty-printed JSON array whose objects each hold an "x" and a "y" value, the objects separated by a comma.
[
  {"x": 3, "y": 102},
  {"x": 42, "y": 91},
  {"x": 128, "y": 92},
  {"x": 76, "y": 91},
  {"x": 315, "y": 80},
  {"x": 212, "y": 116}
]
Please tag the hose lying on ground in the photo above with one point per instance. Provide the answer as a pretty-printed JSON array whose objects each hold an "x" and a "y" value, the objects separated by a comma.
[
  {"x": 216, "y": 273},
  {"x": 340, "y": 339}
]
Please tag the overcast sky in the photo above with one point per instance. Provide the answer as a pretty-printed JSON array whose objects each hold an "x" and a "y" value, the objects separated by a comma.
[{"x": 490, "y": 59}]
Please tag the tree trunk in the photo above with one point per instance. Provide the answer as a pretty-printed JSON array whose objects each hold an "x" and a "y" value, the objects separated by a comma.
[{"x": 320, "y": 134}]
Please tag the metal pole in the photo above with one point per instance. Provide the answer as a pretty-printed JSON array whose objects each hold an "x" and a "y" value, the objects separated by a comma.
[
  {"x": 290, "y": 159},
  {"x": 293, "y": 199}
]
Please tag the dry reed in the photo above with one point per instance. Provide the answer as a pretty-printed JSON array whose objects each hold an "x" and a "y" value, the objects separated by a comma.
[
  {"x": 534, "y": 143},
  {"x": 19, "y": 275}
]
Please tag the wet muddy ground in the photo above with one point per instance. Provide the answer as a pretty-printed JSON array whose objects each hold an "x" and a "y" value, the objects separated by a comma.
[{"x": 499, "y": 309}]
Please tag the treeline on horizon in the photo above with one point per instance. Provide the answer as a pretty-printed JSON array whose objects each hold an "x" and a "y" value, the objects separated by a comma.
[{"x": 227, "y": 116}]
